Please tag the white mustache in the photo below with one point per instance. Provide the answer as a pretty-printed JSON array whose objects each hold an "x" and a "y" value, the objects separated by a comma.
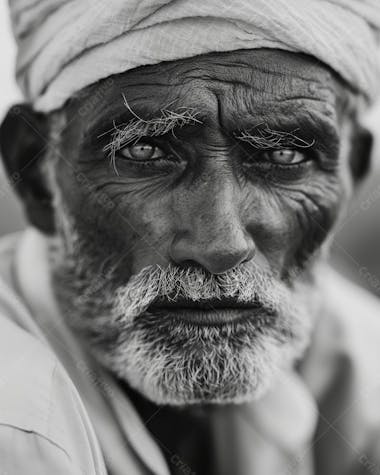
[{"x": 246, "y": 283}]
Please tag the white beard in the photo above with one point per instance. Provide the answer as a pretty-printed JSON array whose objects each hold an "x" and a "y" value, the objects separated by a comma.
[
  {"x": 171, "y": 361},
  {"x": 209, "y": 369}
]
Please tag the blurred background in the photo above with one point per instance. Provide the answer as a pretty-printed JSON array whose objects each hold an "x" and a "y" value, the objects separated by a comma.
[
  {"x": 11, "y": 217},
  {"x": 356, "y": 248}
]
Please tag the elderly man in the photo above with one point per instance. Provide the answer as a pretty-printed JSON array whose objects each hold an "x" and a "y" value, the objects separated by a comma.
[{"x": 170, "y": 310}]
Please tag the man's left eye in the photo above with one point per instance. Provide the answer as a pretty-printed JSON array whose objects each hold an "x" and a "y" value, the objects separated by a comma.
[
  {"x": 285, "y": 157},
  {"x": 141, "y": 151}
]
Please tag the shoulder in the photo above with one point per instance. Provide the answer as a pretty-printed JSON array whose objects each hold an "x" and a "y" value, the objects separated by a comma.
[
  {"x": 29, "y": 369},
  {"x": 346, "y": 337},
  {"x": 42, "y": 418},
  {"x": 354, "y": 312},
  {"x": 27, "y": 373},
  {"x": 26, "y": 452},
  {"x": 345, "y": 348},
  {"x": 343, "y": 371}
]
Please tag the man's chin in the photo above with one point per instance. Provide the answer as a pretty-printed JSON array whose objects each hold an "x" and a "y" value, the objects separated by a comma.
[
  {"x": 178, "y": 364},
  {"x": 221, "y": 395},
  {"x": 177, "y": 381}
]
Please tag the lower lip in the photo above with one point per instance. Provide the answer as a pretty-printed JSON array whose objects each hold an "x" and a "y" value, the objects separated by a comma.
[{"x": 207, "y": 317}]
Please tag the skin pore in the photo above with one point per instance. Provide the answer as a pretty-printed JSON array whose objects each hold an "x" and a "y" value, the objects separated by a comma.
[{"x": 230, "y": 198}]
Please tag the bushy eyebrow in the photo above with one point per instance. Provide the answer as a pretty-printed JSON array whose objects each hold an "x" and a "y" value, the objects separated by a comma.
[
  {"x": 132, "y": 131},
  {"x": 264, "y": 137}
]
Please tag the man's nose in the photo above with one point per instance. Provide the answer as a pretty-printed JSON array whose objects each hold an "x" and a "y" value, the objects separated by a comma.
[{"x": 213, "y": 237}]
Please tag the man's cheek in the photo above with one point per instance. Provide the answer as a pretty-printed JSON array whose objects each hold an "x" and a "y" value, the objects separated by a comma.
[
  {"x": 95, "y": 222},
  {"x": 289, "y": 223},
  {"x": 150, "y": 230},
  {"x": 316, "y": 208},
  {"x": 134, "y": 232}
]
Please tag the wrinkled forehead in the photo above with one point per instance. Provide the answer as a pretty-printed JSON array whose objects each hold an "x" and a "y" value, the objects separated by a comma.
[{"x": 230, "y": 85}]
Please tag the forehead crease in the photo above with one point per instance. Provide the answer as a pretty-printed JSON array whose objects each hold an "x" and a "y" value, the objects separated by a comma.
[
  {"x": 225, "y": 91},
  {"x": 245, "y": 87},
  {"x": 273, "y": 97},
  {"x": 153, "y": 103}
]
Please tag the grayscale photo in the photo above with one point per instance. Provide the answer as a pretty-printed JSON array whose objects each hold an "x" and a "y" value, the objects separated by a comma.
[{"x": 190, "y": 237}]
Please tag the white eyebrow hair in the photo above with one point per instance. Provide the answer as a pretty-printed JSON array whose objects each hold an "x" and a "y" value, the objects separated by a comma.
[
  {"x": 132, "y": 131},
  {"x": 263, "y": 137}
]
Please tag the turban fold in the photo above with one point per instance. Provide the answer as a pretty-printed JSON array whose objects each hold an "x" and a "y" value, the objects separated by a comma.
[{"x": 65, "y": 45}]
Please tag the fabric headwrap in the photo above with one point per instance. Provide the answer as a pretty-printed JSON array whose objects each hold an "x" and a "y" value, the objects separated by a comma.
[{"x": 65, "y": 45}]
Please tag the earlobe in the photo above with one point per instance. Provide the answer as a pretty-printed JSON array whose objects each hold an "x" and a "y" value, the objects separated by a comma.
[
  {"x": 361, "y": 151},
  {"x": 24, "y": 136}
]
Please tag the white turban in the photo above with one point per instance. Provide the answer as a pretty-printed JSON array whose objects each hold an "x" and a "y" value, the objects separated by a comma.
[{"x": 65, "y": 45}]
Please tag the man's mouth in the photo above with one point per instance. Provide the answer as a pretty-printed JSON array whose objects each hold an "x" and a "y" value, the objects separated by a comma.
[{"x": 206, "y": 311}]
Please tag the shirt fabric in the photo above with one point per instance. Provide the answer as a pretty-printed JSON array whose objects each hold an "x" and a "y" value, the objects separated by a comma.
[{"x": 62, "y": 413}]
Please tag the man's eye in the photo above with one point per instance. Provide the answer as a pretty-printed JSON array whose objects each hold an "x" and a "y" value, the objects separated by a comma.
[
  {"x": 141, "y": 151},
  {"x": 285, "y": 157}
]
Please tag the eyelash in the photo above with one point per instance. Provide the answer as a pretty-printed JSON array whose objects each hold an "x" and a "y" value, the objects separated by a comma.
[
  {"x": 281, "y": 166},
  {"x": 269, "y": 171},
  {"x": 310, "y": 155},
  {"x": 169, "y": 159}
]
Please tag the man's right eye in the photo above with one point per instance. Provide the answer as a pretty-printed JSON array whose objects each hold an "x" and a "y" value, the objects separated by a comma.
[
  {"x": 285, "y": 157},
  {"x": 141, "y": 151}
]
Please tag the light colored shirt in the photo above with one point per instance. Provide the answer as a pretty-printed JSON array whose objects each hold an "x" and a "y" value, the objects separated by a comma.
[{"x": 61, "y": 413}]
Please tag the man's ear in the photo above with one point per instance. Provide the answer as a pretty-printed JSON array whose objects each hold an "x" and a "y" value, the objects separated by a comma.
[
  {"x": 361, "y": 151},
  {"x": 24, "y": 136}
]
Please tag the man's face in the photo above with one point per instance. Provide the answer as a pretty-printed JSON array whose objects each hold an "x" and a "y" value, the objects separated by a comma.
[{"x": 192, "y": 197}]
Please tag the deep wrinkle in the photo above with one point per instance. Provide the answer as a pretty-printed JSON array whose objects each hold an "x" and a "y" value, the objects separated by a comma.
[
  {"x": 219, "y": 210},
  {"x": 200, "y": 148}
]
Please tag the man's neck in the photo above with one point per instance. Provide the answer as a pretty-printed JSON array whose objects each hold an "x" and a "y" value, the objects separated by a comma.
[{"x": 183, "y": 434}]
